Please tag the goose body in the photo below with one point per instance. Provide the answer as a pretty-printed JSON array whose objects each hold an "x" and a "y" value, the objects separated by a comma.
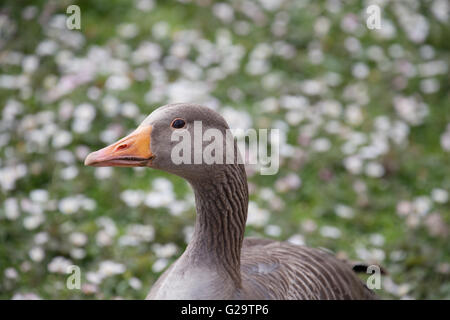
[
  {"x": 218, "y": 262},
  {"x": 269, "y": 270}
]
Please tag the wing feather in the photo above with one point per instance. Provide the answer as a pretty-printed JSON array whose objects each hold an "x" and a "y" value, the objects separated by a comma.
[{"x": 280, "y": 270}]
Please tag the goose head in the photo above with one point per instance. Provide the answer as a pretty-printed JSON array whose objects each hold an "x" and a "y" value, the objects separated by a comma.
[
  {"x": 220, "y": 188},
  {"x": 156, "y": 142}
]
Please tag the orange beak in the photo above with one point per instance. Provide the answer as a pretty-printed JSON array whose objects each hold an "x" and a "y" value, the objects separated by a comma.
[{"x": 132, "y": 151}]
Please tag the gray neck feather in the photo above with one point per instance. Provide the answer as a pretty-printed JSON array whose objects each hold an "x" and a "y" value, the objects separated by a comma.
[{"x": 222, "y": 203}]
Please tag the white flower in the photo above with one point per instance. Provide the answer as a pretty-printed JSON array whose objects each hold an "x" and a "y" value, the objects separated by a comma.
[
  {"x": 388, "y": 30},
  {"x": 69, "y": 205},
  {"x": 110, "y": 134},
  {"x": 375, "y": 170},
  {"x": 158, "y": 199},
  {"x": 256, "y": 216},
  {"x": 135, "y": 283},
  {"x": 376, "y": 53},
  {"x": 78, "y": 239},
  {"x": 94, "y": 93},
  {"x": 188, "y": 232},
  {"x": 432, "y": 68},
  {"x": 422, "y": 205},
  {"x": 26, "y": 296},
  {"x": 11, "y": 209},
  {"x": 350, "y": 23},
  {"x": 273, "y": 230},
  {"x": 77, "y": 253},
  {"x": 404, "y": 208},
  {"x": 39, "y": 195},
  {"x": 165, "y": 251},
  {"x": 94, "y": 277},
  {"x": 46, "y": 48},
  {"x": 176, "y": 208},
  {"x": 445, "y": 140},
  {"x": 257, "y": 67},
  {"x": 12, "y": 109},
  {"x": 344, "y": 211},
  {"x": 103, "y": 239},
  {"x": 132, "y": 198},
  {"x": 162, "y": 185},
  {"x": 360, "y": 70},
  {"x": 353, "y": 164},
  {"x": 81, "y": 125},
  {"x": 312, "y": 87},
  {"x": 399, "y": 132},
  {"x": 439, "y": 195},
  {"x": 352, "y": 44},
  {"x": 118, "y": 82},
  {"x": 111, "y": 105},
  {"x": 353, "y": 114},
  {"x": 309, "y": 226},
  {"x": 187, "y": 91},
  {"x": 271, "y": 5},
  {"x": 61, "y": 139},
  {"x": 108, "y": 225},
  {"x": 145, "y": 5},
  {"x": 85, "y": 111},
  {"x": 146, "y": 52},
  {"x": 29, "y": 12},
  {"x": 33, "y": 221},
  {"x": 322, "y": 25},
  {"x": 59, "y": 265},
  {"x": 223, "y": 11},
  {"x": 127, "y": 30},
  {"x": 30, "y": 64},
  {"x": 374, "y": 254},
  {"x": 144, "y": 233},
  {"x": 409, "y": 109},
  {"x": 130, "y": 110},
  {"x": 377, "y": 239},
  {"x": 88, "y": 204},
  {"x": 429, "y": 86},
  {"x": 69, "y": 173},
  {"x": 396, "y": 51},
  {"x": 127, "y": 240},
  {"x": 440, "y": 9},
  {"x": 290, "y": 182},
  {"x": 103, "y": 173},
  {"x": 160, "y": 29},
  {"x": 159, "y": 265},
  {"x": 237, "y": 119},
  {"x": 398, "y": 255},
  {"x": 321, "y": 145},
  {"x": 31, "y": 207},
  {"x": 41, "y": 238},
  {"x": 37, "y": 254},
  {"x": 73, "y": 204},
  {"x": 330, "y": 232},
  {"x": 64, "y": 156},
  {"x": 11, "y": 273},
  {"x": 109, "y": 268},
  {"x": 297, "y": 239}
]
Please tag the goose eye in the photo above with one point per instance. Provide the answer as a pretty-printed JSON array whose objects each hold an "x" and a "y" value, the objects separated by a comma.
[{"x": 178, "y": 123}]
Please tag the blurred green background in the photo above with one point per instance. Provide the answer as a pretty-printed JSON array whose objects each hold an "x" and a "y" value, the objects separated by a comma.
[{"x": 364, "y": 116}]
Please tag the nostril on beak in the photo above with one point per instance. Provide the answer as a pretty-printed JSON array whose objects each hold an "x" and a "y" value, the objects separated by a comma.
[{"x": 121, "y": 146}]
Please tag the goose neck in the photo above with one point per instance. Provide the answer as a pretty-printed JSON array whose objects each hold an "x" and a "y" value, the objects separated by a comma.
[{"x": 221, "y": 203}]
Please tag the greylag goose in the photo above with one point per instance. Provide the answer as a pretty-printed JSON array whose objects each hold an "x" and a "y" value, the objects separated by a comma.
[{"x": 218, "y": 262}]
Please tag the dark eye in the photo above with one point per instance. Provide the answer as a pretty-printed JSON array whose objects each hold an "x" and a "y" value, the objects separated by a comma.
[{"x": 178, "y": 123}]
